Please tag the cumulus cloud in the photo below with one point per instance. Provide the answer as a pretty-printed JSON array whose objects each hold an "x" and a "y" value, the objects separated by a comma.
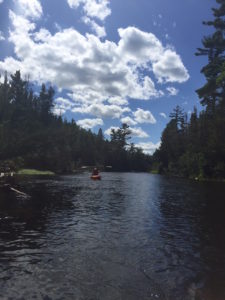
[
  {"x": 128, "y": 121},
  {"x": 172, "y": 91},
  {"x": 30, "y": 8},
  {"x": 2, "y": 38},
  {"x": 94, "y": 72},
  {"x": 169, "y": 68},
  {"x": 144, "y": 116},
  {"x": 117, "y": 101},
  {"x": 149, "y": 147},
  {"x": 138, "y": 132},
  {"x": 92, "y": 8},
  {"x": 99, "y": 30},
  {"x": 89, "y": 123},
  {"x": 163, "y": 115},
  {"x": 102, "y": 110},
  {"x": 42, "y": 35},
  {"x": 62, "y": 105},
  {"x": 91, "y": 69},
  {"x": 139, "y": 47}
]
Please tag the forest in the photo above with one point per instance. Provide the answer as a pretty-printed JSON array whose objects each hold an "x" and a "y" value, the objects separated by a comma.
[
  {"x": 32, "y": 136},
  {"x": 195, "y": 147}
]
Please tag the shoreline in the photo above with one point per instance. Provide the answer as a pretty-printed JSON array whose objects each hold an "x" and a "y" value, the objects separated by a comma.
[{"x": 199, "y": 179}]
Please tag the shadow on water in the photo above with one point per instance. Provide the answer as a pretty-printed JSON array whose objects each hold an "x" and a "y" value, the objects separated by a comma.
[
  {"x": 129, "y": 236},
  {"x": 192, "y": 228}
]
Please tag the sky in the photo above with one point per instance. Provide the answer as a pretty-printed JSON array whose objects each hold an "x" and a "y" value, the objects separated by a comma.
[{"x": 109, "y": 61}]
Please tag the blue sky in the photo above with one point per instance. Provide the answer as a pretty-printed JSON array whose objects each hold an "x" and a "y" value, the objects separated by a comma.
[{"x": 109, "y": 61}]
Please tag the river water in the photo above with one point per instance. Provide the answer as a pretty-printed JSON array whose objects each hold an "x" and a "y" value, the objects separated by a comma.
[{"x": 129, "y": 236}]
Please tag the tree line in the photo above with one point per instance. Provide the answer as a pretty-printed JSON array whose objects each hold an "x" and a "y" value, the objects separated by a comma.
[
  {"x": 195, "y": 147},
  {"x": 32, "y": 136}
]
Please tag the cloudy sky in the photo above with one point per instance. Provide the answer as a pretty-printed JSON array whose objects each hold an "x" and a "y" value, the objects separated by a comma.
[{"x": 110, "y": 61}]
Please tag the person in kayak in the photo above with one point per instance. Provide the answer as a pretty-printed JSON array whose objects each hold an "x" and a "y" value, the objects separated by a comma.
[{"x": 95, "y": 172}]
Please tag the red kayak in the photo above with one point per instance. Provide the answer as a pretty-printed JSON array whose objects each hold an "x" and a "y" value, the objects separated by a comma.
[{"x": 96, "y": 177}]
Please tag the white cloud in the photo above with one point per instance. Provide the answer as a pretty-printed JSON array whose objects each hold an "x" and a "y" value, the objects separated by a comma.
[
  {"x": 42, "y": 35},
  {"x": 139, "y": 47},
  {"x": 162, "y": 114},
  {"x": 117, "y": 101},
  {"x": 2, "y": 38},
  {"x": 128, "y": 121},
  {"x": 30, "y": 8},
  {"x": 62, "y": 105},
  {"x": 142, "y": 48},
  {"x": 99, "y": 30},
  {"x": 144, "y": 116},
  {"x": 135, "y": 131},
  {"x": 1, "y": 1},
  {"x": 89, "y": 123},
  {"x": 102, "y": 110},
  {"x": 138, "y": 132},
  {"x": 149, "y": 147},
  {"x": 58, "y": 111},
  {"x": 172, "y": 91},
  {"x": 169, "y": 68},
  {"x": 92, "y": 8},
  {"x": 93, "y": 71}
]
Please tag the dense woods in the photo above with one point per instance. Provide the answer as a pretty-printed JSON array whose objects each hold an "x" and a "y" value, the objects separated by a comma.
[
  {"x": 191, "y": 146},
  {"x": 32, "y": 136},
  {"x": 195, "y": 147}
]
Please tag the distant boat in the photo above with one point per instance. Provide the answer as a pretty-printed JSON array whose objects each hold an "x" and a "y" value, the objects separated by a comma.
[{"x": 96, "y": 177}]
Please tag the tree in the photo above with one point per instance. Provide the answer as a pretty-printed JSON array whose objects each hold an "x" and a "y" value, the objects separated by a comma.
[
  {"x": 46, "y": 102},
  {"x": 121, "y": 136},
  {"x": 214, "y": 47},
  {"x": 32, "y": 136}
]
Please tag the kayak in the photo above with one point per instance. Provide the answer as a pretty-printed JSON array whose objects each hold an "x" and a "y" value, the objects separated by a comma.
[{"x": 96, "y": 177}]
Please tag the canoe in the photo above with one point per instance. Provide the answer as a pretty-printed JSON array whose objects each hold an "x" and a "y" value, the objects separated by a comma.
[{"x": 96, "y": 177}]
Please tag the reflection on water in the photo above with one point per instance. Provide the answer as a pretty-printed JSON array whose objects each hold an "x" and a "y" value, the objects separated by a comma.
[{"x": 129, "y": 236}]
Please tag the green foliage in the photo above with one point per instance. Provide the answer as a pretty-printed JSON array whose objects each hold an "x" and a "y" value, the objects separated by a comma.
[
  {"x": 32, "y": 172},
  {"x": 196, "y": 149},
  {"x": 32, "y": 137}
]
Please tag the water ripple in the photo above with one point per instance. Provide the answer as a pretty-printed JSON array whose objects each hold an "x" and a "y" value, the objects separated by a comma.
[{"x": 128, "y": 236}]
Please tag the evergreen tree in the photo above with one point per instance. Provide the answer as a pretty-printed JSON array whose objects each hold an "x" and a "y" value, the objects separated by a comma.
[
  {"x": 214, "y": 47},
  {"x": 32, "y": 136}
]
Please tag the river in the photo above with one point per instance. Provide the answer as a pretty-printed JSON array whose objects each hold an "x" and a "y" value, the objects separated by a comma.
[{"x": 130, "y": 236}]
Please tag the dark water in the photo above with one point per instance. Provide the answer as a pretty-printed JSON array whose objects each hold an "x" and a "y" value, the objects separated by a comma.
[{"x": 129, "y": 236}]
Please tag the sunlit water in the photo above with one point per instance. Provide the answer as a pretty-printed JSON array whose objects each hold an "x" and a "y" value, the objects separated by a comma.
[{"x": 128, "y": 236}]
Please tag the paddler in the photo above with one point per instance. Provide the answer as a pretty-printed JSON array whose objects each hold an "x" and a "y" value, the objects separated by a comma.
[{"x": 95, "y": 172}]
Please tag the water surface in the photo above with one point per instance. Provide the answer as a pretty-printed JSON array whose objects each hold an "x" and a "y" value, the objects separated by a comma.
[{"x": 128, "y": 236}]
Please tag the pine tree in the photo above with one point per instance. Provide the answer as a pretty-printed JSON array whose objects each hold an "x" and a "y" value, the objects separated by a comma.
[{"x": 214, "y": 47}]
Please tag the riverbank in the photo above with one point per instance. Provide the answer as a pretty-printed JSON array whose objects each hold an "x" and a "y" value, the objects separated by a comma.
[
  {"x": 34, "y": 172},
  {"x": 200, "y": 178}
]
